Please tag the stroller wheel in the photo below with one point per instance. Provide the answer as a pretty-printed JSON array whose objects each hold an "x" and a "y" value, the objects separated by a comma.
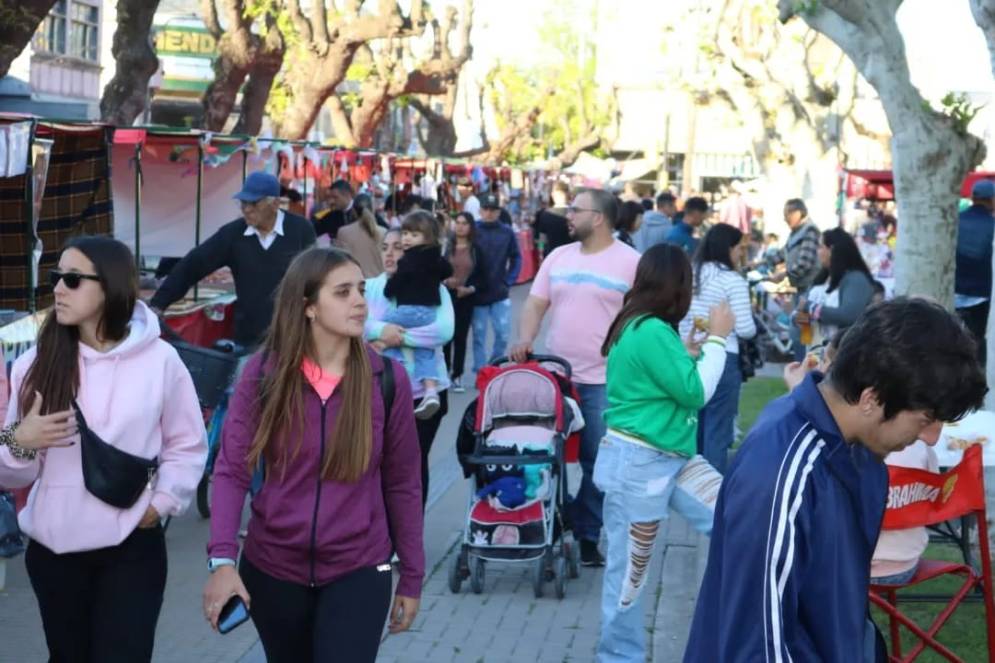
[
  {"x": 538, "y": 576},
  {"x": 477, "y": 577},
  {"x": 456, "y": 573},
  {"x": 560, "y": 582}
]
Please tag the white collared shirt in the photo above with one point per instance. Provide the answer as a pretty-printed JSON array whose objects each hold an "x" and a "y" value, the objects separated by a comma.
[{"x": 268, "y": 240}]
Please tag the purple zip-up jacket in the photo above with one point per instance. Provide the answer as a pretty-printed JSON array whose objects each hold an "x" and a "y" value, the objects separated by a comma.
[{"x": 311, "y": 531}]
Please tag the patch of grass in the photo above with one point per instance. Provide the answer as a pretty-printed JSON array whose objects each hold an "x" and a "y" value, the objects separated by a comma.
[
  {"x": 754, "y": 397},
  {"x": 964, "y": 632}
]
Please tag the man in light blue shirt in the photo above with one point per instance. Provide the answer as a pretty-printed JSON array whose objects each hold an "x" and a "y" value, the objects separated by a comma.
[{"x": 656, "y": 224}]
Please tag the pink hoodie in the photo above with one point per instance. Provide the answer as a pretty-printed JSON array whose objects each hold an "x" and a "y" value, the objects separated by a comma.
[{"x": 139, "y": 397}]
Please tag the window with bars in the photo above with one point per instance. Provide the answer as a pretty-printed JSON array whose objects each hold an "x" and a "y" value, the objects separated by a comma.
[{"x": 71, "y": 28}]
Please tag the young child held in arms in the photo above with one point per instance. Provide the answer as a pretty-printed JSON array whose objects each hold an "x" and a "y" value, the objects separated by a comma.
[{"x": 415, "y": 290}]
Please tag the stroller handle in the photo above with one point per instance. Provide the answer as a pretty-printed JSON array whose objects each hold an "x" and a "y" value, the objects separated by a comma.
[{"x": 541, "y": 359}]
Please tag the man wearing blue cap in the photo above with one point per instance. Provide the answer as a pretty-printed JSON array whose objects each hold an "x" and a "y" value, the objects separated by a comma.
[
  {"x": 257, "y": 247},
  {"x": 973, "y": 277}
]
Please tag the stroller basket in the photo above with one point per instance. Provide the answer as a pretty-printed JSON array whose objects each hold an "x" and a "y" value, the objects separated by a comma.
[{"x": 211, "y": 371}]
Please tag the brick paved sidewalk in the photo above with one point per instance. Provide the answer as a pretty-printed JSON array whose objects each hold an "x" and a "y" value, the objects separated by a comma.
[{"x": 507, "y": 623}]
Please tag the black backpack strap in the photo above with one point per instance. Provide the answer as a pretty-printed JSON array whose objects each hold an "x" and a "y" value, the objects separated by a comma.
[{"x": 387, "y": 388}]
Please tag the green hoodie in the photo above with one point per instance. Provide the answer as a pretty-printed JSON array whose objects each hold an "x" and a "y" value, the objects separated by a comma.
[{"x": 654, "y": 391}]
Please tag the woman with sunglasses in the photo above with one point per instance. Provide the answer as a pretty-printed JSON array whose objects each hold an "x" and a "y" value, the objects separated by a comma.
[{"x": 99, "y": 377}]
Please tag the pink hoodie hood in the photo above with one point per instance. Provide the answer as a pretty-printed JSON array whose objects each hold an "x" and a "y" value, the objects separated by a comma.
[{"x": 137, "y": 396}]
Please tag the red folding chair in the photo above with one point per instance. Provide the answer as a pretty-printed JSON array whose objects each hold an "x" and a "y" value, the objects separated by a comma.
[{"x": 917, "y": 498}]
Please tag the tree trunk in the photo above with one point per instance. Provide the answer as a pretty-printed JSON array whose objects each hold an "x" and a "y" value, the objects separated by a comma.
[
  {"x": 268, "y": 62},
  {"x": 367, "y": 117},
  {"x": 930, "y": 154},
  {"x": 231, "y": 67},
  {"x": 984, "y": 16},
  {"x": 440, "y": 137},
  {"x": 313, "y": 80},
  {"x": 18, "y": 21},
  {"x": 125, "y": 96}
]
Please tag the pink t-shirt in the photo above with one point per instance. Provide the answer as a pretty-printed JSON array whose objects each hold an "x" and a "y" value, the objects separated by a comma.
[
  {"x": 323, "y": 383},
  {"x": 585, "y": 293}
]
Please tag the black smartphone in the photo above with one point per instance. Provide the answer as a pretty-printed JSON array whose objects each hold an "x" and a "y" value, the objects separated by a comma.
[{"x": 233, "y": 614}]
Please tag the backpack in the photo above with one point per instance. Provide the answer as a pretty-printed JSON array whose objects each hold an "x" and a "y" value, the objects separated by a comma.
[{"x": 387, "y": 391}]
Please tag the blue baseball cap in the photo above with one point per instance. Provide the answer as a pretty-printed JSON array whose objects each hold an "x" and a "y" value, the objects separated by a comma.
[
  {"x": 983, "y": 189},
  {"x": 257, "y": 186}
]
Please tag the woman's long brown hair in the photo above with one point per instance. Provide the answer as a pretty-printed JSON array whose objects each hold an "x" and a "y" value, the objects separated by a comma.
[
  {"x": 662, "y": 289},
  {"x": 55, "y": 371},
  {"x": 350, "y": 444}
]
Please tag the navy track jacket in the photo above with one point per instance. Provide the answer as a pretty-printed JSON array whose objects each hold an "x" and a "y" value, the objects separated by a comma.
[{"x": 796, "y": 523}]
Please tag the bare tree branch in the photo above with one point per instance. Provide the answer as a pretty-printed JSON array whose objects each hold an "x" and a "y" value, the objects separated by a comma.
[
  {"x": 300, "y": 22},
  {"x": 209, "y": 12}
]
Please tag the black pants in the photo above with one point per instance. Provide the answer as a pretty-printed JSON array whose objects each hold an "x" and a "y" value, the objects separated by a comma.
[
  {"x": 976, "y": 320},
  {"x": 455, "y": 350},
  {"x": 427, "y": 429},
  {"x": 340, "y": 621},
  {"x": 100, "y": 606}
]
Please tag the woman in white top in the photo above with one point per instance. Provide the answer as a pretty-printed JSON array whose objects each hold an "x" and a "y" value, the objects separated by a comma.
[{"x": 716, "y": 280}]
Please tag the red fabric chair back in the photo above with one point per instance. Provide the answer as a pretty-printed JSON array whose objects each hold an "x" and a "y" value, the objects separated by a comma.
[{"x": 917, "y": 498}]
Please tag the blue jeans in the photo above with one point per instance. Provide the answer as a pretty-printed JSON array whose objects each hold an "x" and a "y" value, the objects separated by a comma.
[
  {"x": 499, "y": 315},
  {"x": 896, "y": 578},
  {"x": 640, "y": 486},
  {"x": 410, "y": 316},
  {"x": 716, "y": 421},
  {"x": 584, "y": 510}
]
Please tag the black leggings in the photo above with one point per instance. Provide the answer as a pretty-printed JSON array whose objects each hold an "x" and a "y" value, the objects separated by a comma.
[
  {"x": 100, "y": 606},
  {"x": 340, "y": 621},
  {"x": 455, "y": 350},
  {"x": 427, "y": 430}
]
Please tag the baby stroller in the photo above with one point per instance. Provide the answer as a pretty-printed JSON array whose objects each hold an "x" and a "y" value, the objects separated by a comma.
[{"x": 512, "y": 446}]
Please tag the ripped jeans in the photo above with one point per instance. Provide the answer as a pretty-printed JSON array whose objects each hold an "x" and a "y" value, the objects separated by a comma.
[{"x": 641, "y": 485}]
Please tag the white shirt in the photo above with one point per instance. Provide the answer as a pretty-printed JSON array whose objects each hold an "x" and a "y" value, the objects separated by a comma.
[
  {"x": 719, "y": 284},
  {"x": 472, "y": 206},
  {"x": 268, "y": 240}
]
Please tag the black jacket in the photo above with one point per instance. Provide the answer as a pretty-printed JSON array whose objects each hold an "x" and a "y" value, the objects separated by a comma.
[
  {"x": 419, "y": 272},
  {"x": 257, "y": 271}
]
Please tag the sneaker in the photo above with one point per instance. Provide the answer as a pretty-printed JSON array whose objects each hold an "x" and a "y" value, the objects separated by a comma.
[
  {"x": 589, "y": 555},
  {"x": 428, "y": 407},
  {"x": 458, "y": 387}
]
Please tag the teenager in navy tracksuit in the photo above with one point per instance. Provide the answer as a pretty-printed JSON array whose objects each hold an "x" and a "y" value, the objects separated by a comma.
[{"x": 800, "y": 509}]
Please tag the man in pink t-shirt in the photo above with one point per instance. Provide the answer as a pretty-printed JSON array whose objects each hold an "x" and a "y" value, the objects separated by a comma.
[{"x": 581, "y": 286}]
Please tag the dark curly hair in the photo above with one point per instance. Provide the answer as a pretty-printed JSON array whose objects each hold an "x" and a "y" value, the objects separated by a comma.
[{"x": 915, "y": 355}]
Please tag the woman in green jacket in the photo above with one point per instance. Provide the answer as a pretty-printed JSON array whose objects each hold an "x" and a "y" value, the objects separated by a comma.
[{"x": 656, "y": 384}]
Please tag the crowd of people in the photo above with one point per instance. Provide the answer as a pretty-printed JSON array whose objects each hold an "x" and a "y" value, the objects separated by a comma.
[{"x": 353, "y": 348}]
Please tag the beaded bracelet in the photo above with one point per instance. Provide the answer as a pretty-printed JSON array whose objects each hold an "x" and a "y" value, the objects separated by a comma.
[{"x": 16, "y": 450}]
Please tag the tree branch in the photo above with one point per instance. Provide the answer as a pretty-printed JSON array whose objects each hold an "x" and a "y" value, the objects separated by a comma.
[
  {"x": 209, "y": 12},
  {"x": 319, "y": 21},
  {"x": 300, "y": 22}
]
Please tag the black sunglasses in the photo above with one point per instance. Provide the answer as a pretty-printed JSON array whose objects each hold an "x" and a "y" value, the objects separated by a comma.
[{"x": 71, "y": 279}]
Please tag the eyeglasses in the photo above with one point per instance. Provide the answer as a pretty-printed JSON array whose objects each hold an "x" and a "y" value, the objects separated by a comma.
[
  {"x": 574, "y": 210},
  {"x": 71, "y": 279}
]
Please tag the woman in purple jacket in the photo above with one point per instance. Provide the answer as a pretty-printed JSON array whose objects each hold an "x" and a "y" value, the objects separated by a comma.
[{"x": 339, "y": 492}]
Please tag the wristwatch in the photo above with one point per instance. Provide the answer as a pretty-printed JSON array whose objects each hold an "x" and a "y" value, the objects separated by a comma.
[{"x": 215, "y": 563}]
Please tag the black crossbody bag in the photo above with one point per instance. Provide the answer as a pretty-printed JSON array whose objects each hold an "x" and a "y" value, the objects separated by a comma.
[{"x": 113, "y": 476}]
